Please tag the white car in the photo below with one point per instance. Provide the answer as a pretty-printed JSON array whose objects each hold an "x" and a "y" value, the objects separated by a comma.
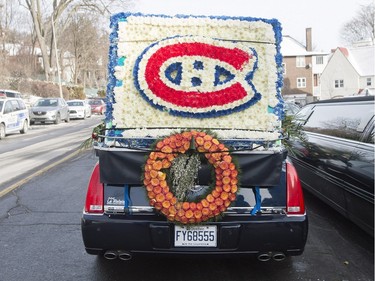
[
  {"x": 10, "y": 94},
  {"x": 14, "y": 116},
  {"x": 79, "y": 109}
]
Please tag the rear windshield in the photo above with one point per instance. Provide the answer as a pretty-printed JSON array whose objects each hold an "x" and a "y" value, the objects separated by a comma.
[
  {"x": 10, "y": 94},
  {"x": 291, "y": 108},
  {"x": 95, "y": 102},
  {"x": 75, "y": 103}
]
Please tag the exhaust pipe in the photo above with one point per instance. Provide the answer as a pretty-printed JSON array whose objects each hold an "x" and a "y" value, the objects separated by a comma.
[
  {"x": 125, "y": 256},
  {"x": 122, "y": 255},
  {"x": 110, "y": 255},
  {"x": 278, "y": 256},
  {"x": 264, "y": 257}
]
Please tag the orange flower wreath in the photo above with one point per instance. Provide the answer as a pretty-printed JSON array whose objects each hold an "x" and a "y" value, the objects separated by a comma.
[{"x": 160, "y": 194}]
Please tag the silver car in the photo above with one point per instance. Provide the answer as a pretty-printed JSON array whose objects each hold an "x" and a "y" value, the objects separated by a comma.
[{"x": 49, "y": 110}]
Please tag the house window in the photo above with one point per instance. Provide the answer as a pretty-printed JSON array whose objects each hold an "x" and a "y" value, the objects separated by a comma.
[
  {"x": 339, "y": 83},
  {"x": 300, "y": 61},
  {"x": 368, "y": 81},
  {"x": 301, "y": 82},
  {"x": 316, "y": 80},
  {"x": 319, "y": 60}
]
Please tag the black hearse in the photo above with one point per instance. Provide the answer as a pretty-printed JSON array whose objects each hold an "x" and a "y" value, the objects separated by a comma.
[{"x": 335, "y": 156}]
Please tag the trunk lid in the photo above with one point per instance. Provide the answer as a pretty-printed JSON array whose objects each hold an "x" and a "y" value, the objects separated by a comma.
[{"x": 132, "y": 198}]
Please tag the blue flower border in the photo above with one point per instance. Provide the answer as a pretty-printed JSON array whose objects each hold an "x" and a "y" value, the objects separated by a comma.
[{"x": 114, "y": 60}]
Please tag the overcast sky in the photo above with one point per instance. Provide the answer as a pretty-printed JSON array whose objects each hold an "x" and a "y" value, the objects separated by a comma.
[{"x": 325, "y": 17}]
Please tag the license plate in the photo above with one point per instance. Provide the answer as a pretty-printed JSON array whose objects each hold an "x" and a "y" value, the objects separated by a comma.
[{"x": 195, "y": 236}]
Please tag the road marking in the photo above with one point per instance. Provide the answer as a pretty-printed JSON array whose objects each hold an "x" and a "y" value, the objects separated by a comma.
[{"x": 25, "y": 180}]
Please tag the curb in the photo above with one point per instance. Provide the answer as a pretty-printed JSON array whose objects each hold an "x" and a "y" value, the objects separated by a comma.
[{"x": 45, "y": 169}]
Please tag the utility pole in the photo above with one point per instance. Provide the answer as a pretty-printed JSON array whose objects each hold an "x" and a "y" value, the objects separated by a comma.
[{"x": 57, "y": 57}]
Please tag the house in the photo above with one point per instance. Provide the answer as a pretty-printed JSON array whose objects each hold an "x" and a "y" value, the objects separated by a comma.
[
  {"x": 349, "y": 72},
  {"x": 302, "y": 69}
]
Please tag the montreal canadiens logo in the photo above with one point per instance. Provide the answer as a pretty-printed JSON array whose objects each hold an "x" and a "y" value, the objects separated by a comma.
[{"x": 197, "y": 77}]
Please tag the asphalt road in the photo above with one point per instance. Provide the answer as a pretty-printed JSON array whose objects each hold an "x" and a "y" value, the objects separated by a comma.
[
  {"x": 40, "y": 239},
  {"x": 41, "y": 146}
]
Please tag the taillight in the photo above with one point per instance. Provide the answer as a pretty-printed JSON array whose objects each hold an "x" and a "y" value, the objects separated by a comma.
[
  {"x": 94, "y": 196},
  {"x": 295, "y": 203}
]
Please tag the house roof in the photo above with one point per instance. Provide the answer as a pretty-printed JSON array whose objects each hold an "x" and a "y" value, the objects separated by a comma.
[
  {"x": 290, "y": 47},
  {"x": 363, "y": 59}
]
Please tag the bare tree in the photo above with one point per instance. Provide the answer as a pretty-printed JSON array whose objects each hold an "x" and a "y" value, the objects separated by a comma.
[
  {"x": 14, "y": 54},
  {"x": 88, "y": 46},
  {"x": 48, "y": 15},
  {"x": 361, "y": 27},
  {"x": 6, "y": 19}
]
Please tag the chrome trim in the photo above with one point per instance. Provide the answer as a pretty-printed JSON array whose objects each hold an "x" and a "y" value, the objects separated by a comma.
[
  {"x": 270, "y": 151},
  {"x": 133, "y": 209},
  {"x": 230, "y": 211}
]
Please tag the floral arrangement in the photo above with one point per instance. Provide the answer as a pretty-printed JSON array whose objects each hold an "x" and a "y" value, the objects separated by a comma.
[
  {"x": 200, "y": 59},
  {"x": 218, "y": 73},
  {"x": 191, "y": 74},
  {"x": 176, "y": 157}
]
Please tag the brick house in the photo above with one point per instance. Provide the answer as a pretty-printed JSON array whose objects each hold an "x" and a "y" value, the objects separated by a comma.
[{"x": 302, "y": 69}]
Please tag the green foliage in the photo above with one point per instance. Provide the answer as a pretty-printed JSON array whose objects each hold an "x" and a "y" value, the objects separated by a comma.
[
  {"x": 291, "y": 129},
  {"x": 96, "y": 136}
]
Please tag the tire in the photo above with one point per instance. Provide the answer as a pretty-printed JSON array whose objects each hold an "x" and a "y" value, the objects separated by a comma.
[
  {"x": 25, "y": 127},
  {"x": 2, "y": 131},
  {"x": 67, "y": 120},
  {"x": 58, "y": 119}
]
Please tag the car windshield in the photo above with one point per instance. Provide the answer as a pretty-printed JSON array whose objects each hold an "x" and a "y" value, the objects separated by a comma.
[
  {"x": 47, "y": 102},
  {"x": 75, "y": 103}
]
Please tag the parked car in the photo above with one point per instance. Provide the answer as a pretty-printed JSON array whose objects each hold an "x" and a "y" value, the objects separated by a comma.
[
  {"x": 291, "y": 108},
  {"x": 335, "y": 157},
  {"x": 79, "y": 109},
  {"x": 159, "y": 192},
  {"x": 10, "y": 94},
  {"x": 119, "y": 222},
  {"x": 49, "y": 110},
  {"x": 97, "y": 106},
  {"x": 14, "y": 116}
]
